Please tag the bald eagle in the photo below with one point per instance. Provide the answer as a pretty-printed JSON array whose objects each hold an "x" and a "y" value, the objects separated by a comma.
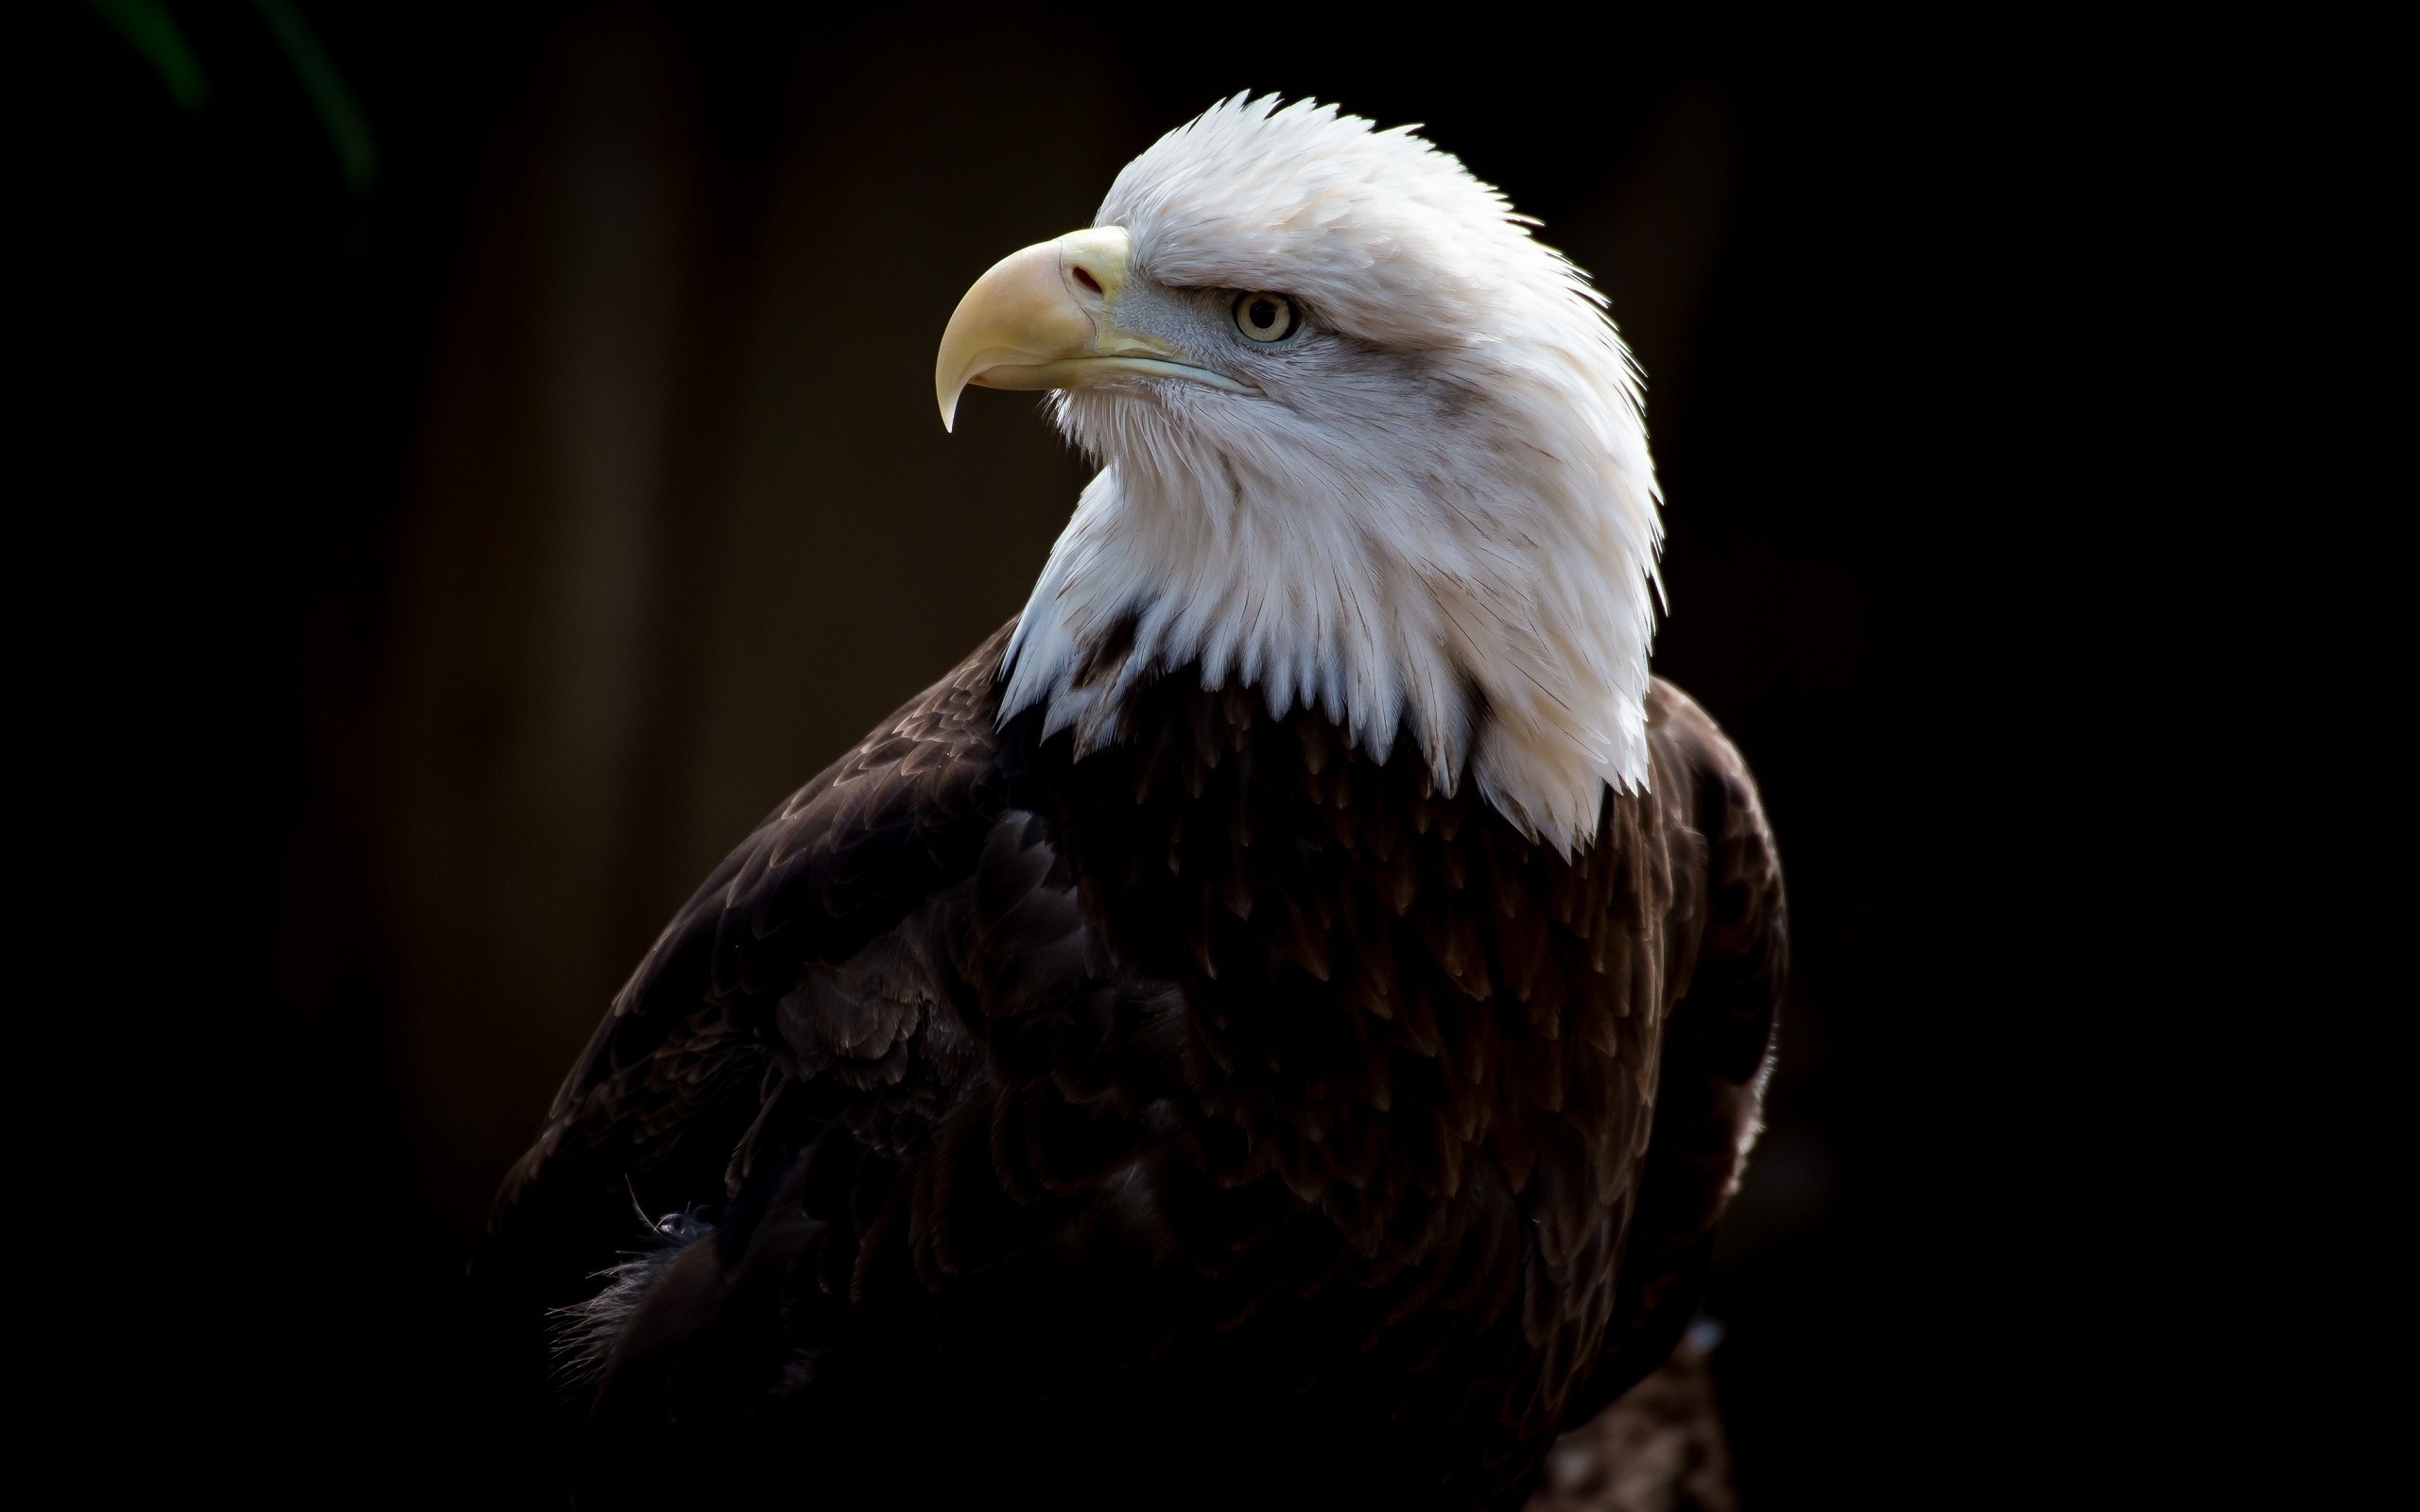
[{"x": 1279, "y": 1024}]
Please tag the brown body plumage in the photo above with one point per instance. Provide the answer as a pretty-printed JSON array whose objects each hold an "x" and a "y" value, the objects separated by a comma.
[{"x": 1225, "y": 1114}]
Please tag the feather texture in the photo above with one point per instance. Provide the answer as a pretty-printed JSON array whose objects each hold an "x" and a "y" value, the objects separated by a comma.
[{"x": 1002, "y": 1107}]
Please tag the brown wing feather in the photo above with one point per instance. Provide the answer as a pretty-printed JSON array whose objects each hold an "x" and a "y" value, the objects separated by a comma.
[
  {"x": 676, "y": 1075},
  {"x": 1729, "y": 962}
]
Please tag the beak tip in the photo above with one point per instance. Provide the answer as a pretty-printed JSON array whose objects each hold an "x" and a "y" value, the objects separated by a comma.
[{"x": 1021, "y": 324}]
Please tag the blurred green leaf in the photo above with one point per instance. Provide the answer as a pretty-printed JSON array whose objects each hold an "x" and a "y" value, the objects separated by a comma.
[
  {"x": 151, "y": 31},
  {"x": 348, "y": 128}
]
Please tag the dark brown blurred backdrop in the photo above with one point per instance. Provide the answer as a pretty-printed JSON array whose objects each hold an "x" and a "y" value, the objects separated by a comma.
[{"x": 464, "y": 558}]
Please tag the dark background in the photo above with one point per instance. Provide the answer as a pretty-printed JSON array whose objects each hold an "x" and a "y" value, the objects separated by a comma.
[{"x": 446, "y": 569}]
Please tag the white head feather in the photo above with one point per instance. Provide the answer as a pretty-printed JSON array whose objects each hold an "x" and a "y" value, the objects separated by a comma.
[{"x": 1439, "y": 521}]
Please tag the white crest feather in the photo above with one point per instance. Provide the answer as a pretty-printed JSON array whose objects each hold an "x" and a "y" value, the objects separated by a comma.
[{"x": 1447, "y": 531}]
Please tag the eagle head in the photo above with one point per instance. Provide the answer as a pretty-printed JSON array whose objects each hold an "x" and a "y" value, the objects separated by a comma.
[{"x": 1366, "y": 445}]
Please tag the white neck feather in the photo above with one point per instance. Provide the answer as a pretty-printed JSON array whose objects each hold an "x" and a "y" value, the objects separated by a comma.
[{"x": 1490, "y": 605}]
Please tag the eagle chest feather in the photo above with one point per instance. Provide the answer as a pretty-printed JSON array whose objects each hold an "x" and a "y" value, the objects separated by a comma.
[{"x": 1386, "y": 983}]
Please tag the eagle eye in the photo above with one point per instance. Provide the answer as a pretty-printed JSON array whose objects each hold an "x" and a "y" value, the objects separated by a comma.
[{"x": 1264, "y": 317}]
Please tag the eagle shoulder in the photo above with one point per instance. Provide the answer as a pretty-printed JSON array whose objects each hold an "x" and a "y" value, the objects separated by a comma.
[
  {"x": 809, "y": 954},
  {"x": 1727, "y": 965}
]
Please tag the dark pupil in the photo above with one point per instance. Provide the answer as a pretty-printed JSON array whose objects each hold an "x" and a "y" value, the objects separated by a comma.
[{"x": 1263, "y": 313}]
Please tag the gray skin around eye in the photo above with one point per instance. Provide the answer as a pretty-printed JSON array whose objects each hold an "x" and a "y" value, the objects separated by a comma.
[
  {"x": 1350, "y": 380},
  {"x": 1201, "y": 322}
]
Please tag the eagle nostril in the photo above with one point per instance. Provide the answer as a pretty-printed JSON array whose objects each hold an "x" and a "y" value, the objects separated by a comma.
[{"x": 1084, "y": 277}]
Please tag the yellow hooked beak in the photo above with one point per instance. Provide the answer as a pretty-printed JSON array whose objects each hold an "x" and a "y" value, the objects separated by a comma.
[{"x": 1045, "y": 317}]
